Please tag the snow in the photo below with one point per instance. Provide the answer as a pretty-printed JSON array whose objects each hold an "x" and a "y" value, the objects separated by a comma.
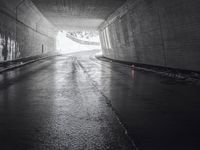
[{"x": 66, "y": 45}]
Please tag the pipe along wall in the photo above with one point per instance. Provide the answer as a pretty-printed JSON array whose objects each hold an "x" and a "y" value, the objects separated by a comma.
[
  {"x": 24, "y": 32},
  {"x": 154, "y": 32}
]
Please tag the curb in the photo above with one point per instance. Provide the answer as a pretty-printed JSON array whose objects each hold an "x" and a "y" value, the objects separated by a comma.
[
  {"x": 170, "y": 73},
  {"x": 25, "y": 63}
]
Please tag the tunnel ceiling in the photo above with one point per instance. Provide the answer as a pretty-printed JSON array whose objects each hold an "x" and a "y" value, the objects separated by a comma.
[{"x": 77, "y": 14}]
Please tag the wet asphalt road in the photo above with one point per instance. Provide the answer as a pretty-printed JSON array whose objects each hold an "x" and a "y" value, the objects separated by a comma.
[{"x": 74, "y": 102}]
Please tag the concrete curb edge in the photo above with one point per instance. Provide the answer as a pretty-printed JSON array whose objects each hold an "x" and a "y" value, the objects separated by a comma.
[{"x": 26, "y": 63}]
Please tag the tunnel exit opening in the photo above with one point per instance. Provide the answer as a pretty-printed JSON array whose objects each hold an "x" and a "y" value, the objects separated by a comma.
[{"x": 77, "y": 41}]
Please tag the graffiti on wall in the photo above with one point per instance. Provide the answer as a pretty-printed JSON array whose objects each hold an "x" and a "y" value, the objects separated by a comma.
[{"x": 9, "y": 49}]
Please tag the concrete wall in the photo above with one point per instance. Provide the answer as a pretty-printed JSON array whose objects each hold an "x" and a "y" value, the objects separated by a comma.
[
  {"x": 24, "y": 31},
  {"x": 154, "y": 32}
]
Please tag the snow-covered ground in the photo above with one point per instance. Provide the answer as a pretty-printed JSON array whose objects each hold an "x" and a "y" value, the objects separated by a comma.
[{"x": 66, "y": 45}]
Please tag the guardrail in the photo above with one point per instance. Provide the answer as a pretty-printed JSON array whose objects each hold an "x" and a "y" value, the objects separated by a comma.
[{"x": 82, "y": 41}]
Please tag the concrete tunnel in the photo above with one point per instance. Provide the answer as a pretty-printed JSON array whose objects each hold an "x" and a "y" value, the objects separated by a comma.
[
  {"x": 155, "y": 34},
  {"x": 158, "y": 33}
]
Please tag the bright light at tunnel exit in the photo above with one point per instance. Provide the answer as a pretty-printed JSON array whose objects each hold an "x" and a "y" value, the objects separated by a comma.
[{"x": 65, "y": 45}]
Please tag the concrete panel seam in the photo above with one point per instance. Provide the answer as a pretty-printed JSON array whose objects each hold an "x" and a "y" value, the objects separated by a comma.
[{"x": 18, "y": 21}]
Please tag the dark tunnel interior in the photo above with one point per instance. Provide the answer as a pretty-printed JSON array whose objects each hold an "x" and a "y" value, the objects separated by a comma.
[{"x": 99, "y": 74}]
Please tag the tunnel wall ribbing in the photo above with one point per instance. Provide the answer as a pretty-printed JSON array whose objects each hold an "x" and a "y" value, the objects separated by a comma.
[
  {"x": 24, "y": 32},
  {"x": 155, "y": 32}
]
